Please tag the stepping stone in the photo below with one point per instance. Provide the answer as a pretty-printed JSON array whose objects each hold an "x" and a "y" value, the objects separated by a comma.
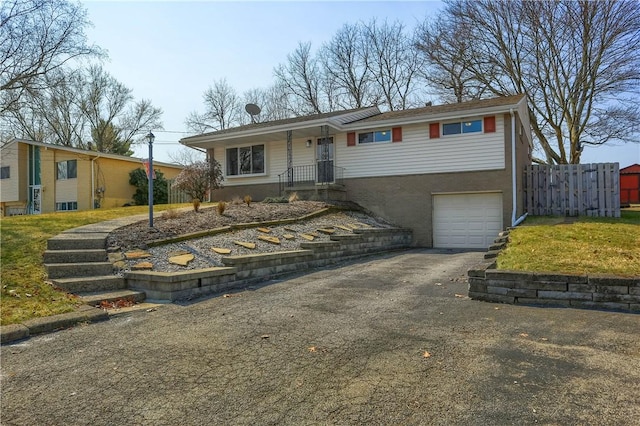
[
  {"x": 142, "y": 266},
  {"x": 326, "y": 231},
  {"x": 352, "y": 226},
  {"x": 265, "y": 230},
  {"x": 313, "y": 234},
  {"x": 115, "y": 257},
  {"x": 288, "y": 228},
  {"x": 221, "y": 250},
  {"x": 136, "y": 254},
  {"x": 344, "y": 228},
  {"x": 178, "y": 253},
  {"x": 272, "y": 240},
  {"x": 363, "y": 225},
  {"x": 289, "y": 236},
  {"x": 307, "y": 237},
  {"x": 182, "y": 260},
  {"x": 245, "y": 245}
]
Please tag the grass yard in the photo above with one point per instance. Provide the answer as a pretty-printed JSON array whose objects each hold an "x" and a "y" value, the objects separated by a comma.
[
  {"x": 23, "y": 240},
  {"x": 576, "y": 245}
]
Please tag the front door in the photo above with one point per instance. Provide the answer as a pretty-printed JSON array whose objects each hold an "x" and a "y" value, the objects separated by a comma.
[
  {"x": 35, "y": 199},
  {"x": 324, "y": 156}
]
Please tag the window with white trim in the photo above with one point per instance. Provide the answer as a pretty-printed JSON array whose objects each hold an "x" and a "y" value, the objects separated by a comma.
[
  {"x": 246, "y": 160},
  {"x": 472, "y": 126},
  {"x": 67, "y": 169},
  {"x": 5, "y": 172},
  {"x": 67, "y": 206},
  {"x": 372, "y": 137}
]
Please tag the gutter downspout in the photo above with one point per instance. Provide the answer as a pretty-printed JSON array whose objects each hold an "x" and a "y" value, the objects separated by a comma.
[
  {"x": 93, "y": 184},
  {"x": 514, "y": 208}
]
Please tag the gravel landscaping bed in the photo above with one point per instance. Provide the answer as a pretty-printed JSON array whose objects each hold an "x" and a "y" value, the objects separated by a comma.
[{"x": 135, "y": 237}]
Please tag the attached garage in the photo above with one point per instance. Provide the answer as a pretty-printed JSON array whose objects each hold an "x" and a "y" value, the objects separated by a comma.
[{"x": 471, "y": 220}]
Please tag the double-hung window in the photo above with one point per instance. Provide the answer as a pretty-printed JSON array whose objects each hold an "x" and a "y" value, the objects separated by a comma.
[
  {"x": 67, "y": 169},
  {"x": 372, "y": 137},
  {"x": 246, "y": 160},
  {"x": 5, "y": 172}
]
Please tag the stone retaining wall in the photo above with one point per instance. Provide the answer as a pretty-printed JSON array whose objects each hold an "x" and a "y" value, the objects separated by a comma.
[
  {"x": 241, "y": 271},
  {"x": 551, "y": 289}
]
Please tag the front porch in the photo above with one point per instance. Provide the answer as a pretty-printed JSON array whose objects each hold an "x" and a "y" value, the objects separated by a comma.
[{"x": 321, "y": 181}]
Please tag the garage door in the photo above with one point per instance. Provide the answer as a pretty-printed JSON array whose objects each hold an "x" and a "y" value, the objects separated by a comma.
[{"x": 466, "y": 220}]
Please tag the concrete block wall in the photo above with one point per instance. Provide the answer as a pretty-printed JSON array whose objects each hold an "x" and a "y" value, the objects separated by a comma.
[
  {"x": 240, "y": 271},
  {"x": 550, "y": 289}
]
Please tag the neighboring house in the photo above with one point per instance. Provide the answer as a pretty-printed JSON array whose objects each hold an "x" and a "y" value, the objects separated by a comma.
[
  {"x": 630, "y": 185},
  {"x": 40, "y": 178},
  {"x": 452, "y": 173}
]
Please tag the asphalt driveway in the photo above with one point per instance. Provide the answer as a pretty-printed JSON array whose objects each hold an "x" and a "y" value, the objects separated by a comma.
[{"x": 387, "y": 340}]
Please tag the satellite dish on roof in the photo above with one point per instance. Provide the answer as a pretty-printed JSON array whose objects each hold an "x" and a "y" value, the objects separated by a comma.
[{"x": 253, "y": 110}]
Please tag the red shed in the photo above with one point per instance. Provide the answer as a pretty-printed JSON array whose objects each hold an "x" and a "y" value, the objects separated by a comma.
[{"x": 630, "y": 185}]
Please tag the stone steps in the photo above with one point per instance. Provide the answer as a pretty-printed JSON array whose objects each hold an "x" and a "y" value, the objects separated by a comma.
[
  {"x": 99, "y": 283},
  {"x": 96, "y": 298},
  {"x": 78, "y": 269},
  {"x": 77, "y": 241},
  {"x": 73, "y": 256}
]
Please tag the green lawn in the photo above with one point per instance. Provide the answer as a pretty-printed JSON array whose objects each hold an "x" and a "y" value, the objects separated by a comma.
[
  {"x": 576, "y": 245},
  {"x": 23, "y": 240}
]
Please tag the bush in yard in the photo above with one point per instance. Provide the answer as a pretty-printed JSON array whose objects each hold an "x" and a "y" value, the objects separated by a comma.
[
  {"x": 198, "y": 178},
  {"x": 138, "y": 178}
]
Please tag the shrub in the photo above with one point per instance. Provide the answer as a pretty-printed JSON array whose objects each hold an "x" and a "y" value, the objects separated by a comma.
[
  {"x": 221, "y": 207},
  {"x": 293, "y": 197},
  {"x": 198, "y": 178},
  {"x": 196, "y": 204},
  {"x": 138, "y": 178},
  {"x": 276, "y": 200},
  {"x": 171, "y": 214},
  {"x": 247, "y": 200},
  {"x": 236, "y": 200}
]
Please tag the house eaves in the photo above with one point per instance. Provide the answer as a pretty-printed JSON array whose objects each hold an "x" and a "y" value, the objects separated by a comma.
[
  {"x": 440, "y": 112},
  {"x": 307, "y": 126},
  {"x": 86, "y": 152}
]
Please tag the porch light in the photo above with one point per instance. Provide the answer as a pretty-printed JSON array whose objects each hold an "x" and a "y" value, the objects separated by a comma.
[
  {"x": 309, "y": 142},
  {"x": 151, "y": 137}
]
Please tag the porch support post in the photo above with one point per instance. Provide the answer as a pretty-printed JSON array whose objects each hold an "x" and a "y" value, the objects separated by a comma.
[
  {"x": 324, "y": 131},
  {"x": 290, "y": 158}
]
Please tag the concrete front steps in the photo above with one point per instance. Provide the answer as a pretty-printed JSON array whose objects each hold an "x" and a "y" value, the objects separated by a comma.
[{"x": 78, "y": 263}]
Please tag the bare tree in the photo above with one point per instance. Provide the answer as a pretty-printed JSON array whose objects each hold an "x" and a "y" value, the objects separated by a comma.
[
  {"x": 345, "y": 62},
  {"x": 445, "y": 45},
  {"x": 394, "y": 63},
  {"x": 186, "y": 156},
  {"x": 575, "y": 60},
  {"x": 222, "y": 109},
  {"x": 38, "y": 37},
  {"x": 301, "y": 77}
]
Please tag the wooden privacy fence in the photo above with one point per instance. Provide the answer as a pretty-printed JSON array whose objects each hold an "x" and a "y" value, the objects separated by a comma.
[
  {"x": 573, "y": 190},
  {"x": 176, "y": 196}
]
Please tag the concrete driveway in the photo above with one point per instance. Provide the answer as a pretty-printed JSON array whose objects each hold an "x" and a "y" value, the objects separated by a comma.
[{"x": 389, "y": 340}]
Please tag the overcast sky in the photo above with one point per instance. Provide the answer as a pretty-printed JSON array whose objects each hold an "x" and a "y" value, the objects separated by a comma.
[{"x": 171, "y": 52}]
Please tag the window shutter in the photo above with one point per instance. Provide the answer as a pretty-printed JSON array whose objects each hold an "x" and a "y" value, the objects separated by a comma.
[
  {"x": 434, "y": 130},
  {"x": 490, "y": 124},
  {"x": 396, "y": 134},
  {"x": 351, "y": 139}
]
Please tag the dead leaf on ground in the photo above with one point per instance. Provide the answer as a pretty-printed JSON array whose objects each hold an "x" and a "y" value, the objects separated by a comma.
[
  {"x": 265, "y": 336},
  {"x": 426, "y": 354},
  {"x": 524, "y": 335},
  {"x": 312, "y": 349},
  {"x": 462, "y": 296}
]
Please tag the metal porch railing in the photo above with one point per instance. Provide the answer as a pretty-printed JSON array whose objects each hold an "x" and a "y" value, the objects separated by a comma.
[{"x": 322, "y": 173}]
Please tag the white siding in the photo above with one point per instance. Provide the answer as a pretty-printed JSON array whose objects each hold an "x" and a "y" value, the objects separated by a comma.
[
  {"x": 10, "y": 188},
  {"x": 418, "y": 154},
  {"x": 275, "y": 162}
]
